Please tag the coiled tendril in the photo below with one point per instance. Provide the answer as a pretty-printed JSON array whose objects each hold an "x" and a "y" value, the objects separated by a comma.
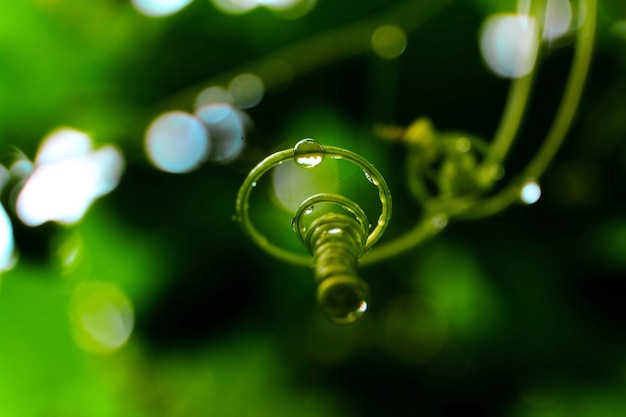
[{"x": 335, "y": 237}]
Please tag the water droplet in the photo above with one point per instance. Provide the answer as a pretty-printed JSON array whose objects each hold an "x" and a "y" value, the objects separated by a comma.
[
  {"x": 308, "y": 153},
  {"x": 254, "y": 184},
  {"x": 369, "y": 226},
  {"x": 439, "y": 220},
  {"x": 463, "y": 144},
  {"x": 370, "y": 178},
  {"x": 381, "y": 221},
  {"x": 343, "y": 299},
  {"x": 496, "y": 172},
  {"x": 293, "y": 223},
  {"x": 530, "y": 192},
  {"x": 309, "y": 210}
]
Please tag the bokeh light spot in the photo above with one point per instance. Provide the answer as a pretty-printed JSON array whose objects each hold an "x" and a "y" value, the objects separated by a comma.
[
  {"x": 102, "y": 316},
  {"x": 176, "y": 142},
  {"x": 530, "y": 193},
  {"x": 558, "y": 19},
  {"x": 68, "y": 177},
  {"x": 278, "y": 4},
  {"x": 235, "y": 7},
  {"x": 509, "y": 44},
  {"x": 6, "y": 240},
  {"x": 227, "y": 128},
  {"x": 247, "y": 90},
  {"x": 213, "y": 95},
  {"x": 288, "y": 9},
  {"x": 63, "y": 144},
  {"x": 389, "y": 41},
  {"x": 159, "y": 8}
]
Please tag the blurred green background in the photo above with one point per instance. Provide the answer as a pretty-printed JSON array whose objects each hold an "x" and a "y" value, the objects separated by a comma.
[{"x": 520, "y": 314}]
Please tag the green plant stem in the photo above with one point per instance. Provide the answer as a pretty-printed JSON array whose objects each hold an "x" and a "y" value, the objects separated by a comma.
[
  {"x": 422, "y": 230},
  {"x": 562, "y": 122},
  {"x": 503, "y": 140},
  {"x": 508, "y": 128},
  {"x": 573, "y": 91},
  {"x": 272, "y": 161},
  {"x": 515, "y": 108}
]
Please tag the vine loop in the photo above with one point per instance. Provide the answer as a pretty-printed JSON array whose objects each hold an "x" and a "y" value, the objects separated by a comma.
[
  {"x": 312, "y": 157},
  {"x": 335, "y": 236}
]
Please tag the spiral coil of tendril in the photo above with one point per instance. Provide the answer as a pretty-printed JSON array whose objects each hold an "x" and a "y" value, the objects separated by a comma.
[{"x": 335, "y": 238}]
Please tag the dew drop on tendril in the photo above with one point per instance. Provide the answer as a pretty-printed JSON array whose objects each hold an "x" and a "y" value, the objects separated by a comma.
[
  {"x": 439, "y": 220},
  {"x": 309, "y": 210},
  {"x": 463, "y": 144},
  {"x": 308, "y": 153},
  {"x": 343, "y": 299},
  {"x": 496, "y": 172}
]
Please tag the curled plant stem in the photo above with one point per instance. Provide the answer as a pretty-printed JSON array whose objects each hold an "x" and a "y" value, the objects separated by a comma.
[
  {"x": 272, "y": 161},
  {"x": 502, "y": 142},
  {"x": 504, "y": 137},
  {"x": 560, "y": 126}
]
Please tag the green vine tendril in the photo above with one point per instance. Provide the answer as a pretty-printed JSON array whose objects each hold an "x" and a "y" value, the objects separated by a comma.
[
  {"x": 437, "y": 215},
  {"x": 450, "y": 175}
]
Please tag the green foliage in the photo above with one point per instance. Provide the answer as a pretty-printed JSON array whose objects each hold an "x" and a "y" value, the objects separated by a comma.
[{"x": 519, "y": 313}]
